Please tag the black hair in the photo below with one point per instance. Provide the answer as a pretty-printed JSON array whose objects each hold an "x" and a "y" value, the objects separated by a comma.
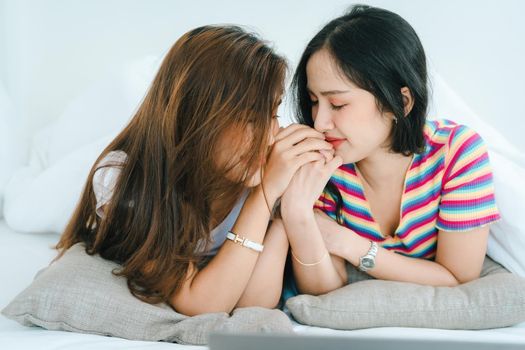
[{"x": 381, "y": 53}]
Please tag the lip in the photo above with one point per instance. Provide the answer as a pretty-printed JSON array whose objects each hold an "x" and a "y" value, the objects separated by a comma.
[{"x": 336, "y": 142}]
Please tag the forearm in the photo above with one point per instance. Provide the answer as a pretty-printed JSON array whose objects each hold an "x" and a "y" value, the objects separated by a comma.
[
  {"x": 219, "y": 286},
  {"x": 308, "y": 246},
  {"x": 393, "y": 266}
]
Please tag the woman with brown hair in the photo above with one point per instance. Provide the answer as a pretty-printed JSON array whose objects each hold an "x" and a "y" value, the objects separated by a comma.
[{"x": 178, "y": 198}]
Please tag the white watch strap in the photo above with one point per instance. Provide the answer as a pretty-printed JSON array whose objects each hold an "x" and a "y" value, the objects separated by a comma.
[{"x": 244, "y": 242}]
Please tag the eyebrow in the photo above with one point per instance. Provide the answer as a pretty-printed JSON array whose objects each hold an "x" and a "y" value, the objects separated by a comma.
[{"x": 330, "y": 92}]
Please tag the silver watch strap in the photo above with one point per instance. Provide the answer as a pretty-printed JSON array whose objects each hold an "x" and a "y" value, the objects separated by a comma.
[{"x": 373, "y": 249}]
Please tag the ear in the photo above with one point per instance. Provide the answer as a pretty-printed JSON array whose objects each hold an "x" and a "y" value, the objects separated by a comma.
[{"x": 408, "y": 100}]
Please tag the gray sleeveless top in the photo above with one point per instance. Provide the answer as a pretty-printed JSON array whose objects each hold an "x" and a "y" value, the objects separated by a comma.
[{"x": 104, "y": 181}]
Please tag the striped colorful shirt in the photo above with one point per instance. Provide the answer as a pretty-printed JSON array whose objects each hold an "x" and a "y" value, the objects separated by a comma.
[{"x": 447, "y": 187}]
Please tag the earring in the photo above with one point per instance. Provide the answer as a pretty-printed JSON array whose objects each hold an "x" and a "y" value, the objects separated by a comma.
[{"x": 395, "y": 119}]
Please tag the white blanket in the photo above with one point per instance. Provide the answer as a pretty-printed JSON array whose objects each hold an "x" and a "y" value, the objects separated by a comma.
[{"x": 22, "y": 255}]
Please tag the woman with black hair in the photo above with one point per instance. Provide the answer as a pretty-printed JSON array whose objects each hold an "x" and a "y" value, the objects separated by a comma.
[{"x": 413, "y": 199}]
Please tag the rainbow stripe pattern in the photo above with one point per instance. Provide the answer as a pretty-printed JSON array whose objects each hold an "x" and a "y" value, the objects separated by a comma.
[{"x": 448, "y": 187}]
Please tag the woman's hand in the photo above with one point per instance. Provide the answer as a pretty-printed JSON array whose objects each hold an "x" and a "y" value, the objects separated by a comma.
[
  {"x": 307, "y": 185},
  {"x": 334, "y": 240},
  {"x": 295, "y": 146}
]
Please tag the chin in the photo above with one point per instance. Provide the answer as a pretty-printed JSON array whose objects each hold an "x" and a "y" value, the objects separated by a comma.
[
  {"x": 348, "y": 156},
  {"x": 345, "y": 156}
]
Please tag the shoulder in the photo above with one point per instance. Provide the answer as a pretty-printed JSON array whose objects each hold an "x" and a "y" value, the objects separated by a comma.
[
  {"x": 463, "y": 151},
  {"x": 108, "y": 167},
  {"x": 106, "y": 175},
  {"x": 448, "y": 132},
  {"x": 456, "y": 138},
  {"x": 113, "y": 158}
]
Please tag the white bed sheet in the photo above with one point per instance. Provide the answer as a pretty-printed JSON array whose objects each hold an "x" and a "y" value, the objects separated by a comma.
[{"x": 22, "y": 255}]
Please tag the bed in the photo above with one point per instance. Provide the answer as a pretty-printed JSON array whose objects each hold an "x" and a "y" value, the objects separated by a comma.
[
  {"x": 23, "y": 254},
  {"x": 42, "y": 194}
]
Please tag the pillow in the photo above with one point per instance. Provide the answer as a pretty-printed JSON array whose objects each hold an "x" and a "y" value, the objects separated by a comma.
[
  {"x": 12, "y": 142},
  {"x": 103, "y": 108},
  {"x": 49, "y": 196},
  {"x": 47, "y": 189},
  {"x": 446, "y": 103},
  {"x": 497, "y": 299},
  {"x": 507, "y": 236},
  {"x": 79, "y": 293}
]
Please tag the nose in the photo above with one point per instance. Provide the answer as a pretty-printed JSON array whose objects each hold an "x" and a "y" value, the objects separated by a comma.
[{"x": 322, "y": 119}]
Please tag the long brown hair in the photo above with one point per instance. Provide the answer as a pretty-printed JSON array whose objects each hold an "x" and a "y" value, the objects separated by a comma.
[{"x": 212, "y": 79}]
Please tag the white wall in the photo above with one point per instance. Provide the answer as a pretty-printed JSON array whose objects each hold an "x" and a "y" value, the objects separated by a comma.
[
  {"x": 53, "y": 49},
  {"x": 479, "y": 49},
  {"x": 3, "y": 47}
]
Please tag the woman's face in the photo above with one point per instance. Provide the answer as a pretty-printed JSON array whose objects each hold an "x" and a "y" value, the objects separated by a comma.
[
  {"x": 256, "y": 178},
  {"x": 235, "y": 146},
  {"x": 347, "y": 115}
]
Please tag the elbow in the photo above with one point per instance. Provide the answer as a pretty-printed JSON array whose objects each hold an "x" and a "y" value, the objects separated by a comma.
[
  {"x": 183, "y": 306},
  {"x": 457, "y": 279},
  {"x": 196, "y": 310},
  {"x": 450, "y": 282},
  {"x": 453, "y": 276},
  {"x": 467, "y": 278},
  {"x": 319, "y": 289}
]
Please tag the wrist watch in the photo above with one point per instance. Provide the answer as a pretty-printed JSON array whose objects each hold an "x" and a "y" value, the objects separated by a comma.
[{"x": 368, "y": 261}]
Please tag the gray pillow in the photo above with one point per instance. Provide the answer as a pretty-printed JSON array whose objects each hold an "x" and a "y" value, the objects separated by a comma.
[
  {"x": 79, "y": 293},
  {"x": 497, "y": 299}
]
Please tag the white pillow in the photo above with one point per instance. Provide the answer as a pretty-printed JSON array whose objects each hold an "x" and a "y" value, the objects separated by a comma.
[
  {"x": 42, "y": 195},
  {"x": 507, "y": 236},
  {"x": 12, "y": 141},
  {"x": 447, "y": 104},
  {"x": 103, "y": 108},
  {"x": 39, "y": 200}
]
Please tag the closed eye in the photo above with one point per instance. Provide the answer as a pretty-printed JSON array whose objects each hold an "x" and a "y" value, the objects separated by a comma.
[{"x": 336, "y": 108}]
